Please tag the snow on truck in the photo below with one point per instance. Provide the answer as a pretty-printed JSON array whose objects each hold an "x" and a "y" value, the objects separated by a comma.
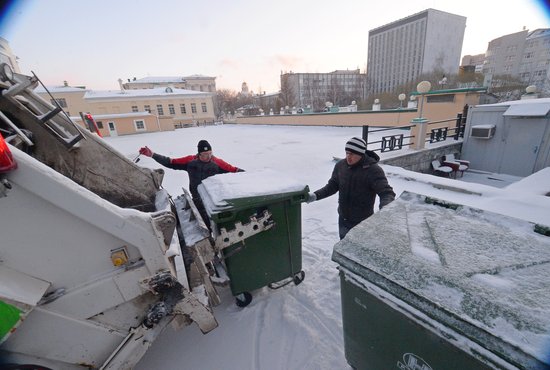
[{"x": 95, "y": 258}]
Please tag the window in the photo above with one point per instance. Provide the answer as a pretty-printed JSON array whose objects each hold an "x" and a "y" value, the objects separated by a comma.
[
  {"x": 529, "y": 55},
  {"x": 60, "y": 101},
  {"x": 99, "y": 124},
  {"x": 171, "y": 109},
  {"x": 182, "y": 109},
  {"x": 134, "y": 108},
  {"x": 160, "y": 110},
  {"x": 203, "y": 106},
  {"x": 139, "y": 125},
  {"x": 447, "y": 98},
  {"x": 147, "y": 108},
  {"x": 193, "y": 108}
]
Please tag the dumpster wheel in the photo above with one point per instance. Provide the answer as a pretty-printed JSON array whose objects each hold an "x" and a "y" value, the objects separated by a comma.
[
  {"x": 243, "y": 299},
  {"x": 299, "y": 277}
]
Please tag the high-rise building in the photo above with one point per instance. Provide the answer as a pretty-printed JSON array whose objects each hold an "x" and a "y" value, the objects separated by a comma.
[
  {"x": 401, "y": 51},
  {"x": 504, "y": 54},
  {"x": 340, "y": 87},
  {"x": 522, "y": 54}
]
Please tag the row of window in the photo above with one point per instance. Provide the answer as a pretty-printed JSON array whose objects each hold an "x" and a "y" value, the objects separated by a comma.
[{"x": 171, "y": 108}]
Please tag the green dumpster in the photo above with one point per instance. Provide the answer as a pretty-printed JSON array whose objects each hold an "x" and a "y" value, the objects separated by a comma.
[
  {"x": 430, "y": 285},
  {"x": 272, "y": 257}
]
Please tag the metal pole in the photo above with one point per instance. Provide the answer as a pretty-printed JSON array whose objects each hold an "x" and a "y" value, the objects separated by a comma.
[{"x": 366, "y": 133}]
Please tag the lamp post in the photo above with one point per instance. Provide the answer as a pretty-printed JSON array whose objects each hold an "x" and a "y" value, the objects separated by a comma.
[
  {"x": 421, "y": 123},
  {"x": 401, "y": 97},
  {"x": 423, "y": 87}
]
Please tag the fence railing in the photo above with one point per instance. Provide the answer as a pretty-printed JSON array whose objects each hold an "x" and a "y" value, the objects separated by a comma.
[{"x": 398, "y": 141}]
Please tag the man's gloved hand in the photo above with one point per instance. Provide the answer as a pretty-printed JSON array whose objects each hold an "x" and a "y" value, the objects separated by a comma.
[
  {"x": 146, "y": 151},
  {"x": 311, "y": 197}
]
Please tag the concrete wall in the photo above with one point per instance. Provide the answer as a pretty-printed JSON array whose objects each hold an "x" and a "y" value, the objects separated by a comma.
[{"x": 421, "y": 160}]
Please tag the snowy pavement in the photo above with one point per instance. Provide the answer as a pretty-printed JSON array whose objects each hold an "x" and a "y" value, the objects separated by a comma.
[{"x": 295, "y": 327}]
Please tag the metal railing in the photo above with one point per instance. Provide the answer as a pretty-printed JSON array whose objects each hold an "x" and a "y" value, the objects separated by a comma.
[
  {"x": 388, "y": 143},
  {"x": 398, "y": 141}
]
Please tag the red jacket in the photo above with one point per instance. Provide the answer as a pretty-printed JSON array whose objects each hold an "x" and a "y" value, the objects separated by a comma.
[{"x": 197, "y": 169}]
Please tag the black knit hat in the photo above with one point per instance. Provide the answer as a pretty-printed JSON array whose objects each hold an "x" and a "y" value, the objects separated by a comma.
[
  {"x": 203, "y": 146},
  {"x": 356, "y": 145}
]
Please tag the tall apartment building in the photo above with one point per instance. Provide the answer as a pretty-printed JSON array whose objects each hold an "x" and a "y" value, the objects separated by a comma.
[
  {"x": 340, "y": 87},
  {"x": 522, "y": 54},
  {"x": 504, "y": 54},
  {"x": 401, "y": 51},
  {"x": 193, "y": 82}
]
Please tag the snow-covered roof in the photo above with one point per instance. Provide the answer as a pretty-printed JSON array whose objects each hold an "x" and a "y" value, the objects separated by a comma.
[
  {"x": 134, "y": 93},
  {"x": 526, "y": 107},
  {"x": 60, "y": 89},
  {"x": 166, "y": 79},
  {"x": 516, "y": 102},
  {"x": 115, "y": 115}
]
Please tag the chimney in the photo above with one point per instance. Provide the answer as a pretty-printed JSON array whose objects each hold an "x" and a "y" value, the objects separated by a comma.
[{"x": 120, "y": 84}]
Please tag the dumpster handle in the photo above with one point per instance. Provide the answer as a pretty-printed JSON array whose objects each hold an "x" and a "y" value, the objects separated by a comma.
[{"x": 289, "y": 239}]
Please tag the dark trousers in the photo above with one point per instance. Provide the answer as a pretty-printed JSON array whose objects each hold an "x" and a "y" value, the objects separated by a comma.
[{"x": 344, "y": 226}]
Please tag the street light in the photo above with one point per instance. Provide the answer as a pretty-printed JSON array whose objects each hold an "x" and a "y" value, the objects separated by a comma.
[
  {"x": 423, "y": 87},
  {"x": 401, "y": 97}
]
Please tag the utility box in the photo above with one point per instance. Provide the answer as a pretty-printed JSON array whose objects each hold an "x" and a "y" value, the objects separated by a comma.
[
  {"x": 270, "y": 256},
  {"x": 430, "y": 285}
]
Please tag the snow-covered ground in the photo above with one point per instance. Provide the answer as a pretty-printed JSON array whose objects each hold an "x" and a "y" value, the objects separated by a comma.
[{"x": 300, "y": 327}]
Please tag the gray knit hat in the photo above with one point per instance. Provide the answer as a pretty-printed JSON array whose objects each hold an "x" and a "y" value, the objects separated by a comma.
[{"x": 356, "y": 145}]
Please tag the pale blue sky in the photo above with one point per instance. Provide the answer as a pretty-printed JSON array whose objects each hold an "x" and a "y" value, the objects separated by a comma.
[{"x": 96, "y": 42}]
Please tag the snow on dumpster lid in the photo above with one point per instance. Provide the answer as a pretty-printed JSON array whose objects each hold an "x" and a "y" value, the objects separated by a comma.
[
  {"x": 490, "y": 271},
  {"x": 229, "y": 186}
]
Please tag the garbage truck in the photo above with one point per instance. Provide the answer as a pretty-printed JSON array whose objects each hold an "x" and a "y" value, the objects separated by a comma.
[{"x": 96, "y": 259}]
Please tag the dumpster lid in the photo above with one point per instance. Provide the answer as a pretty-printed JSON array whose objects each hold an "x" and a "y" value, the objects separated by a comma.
[
  {"x": 226, "y": 191},
  {"x": 482, "y": 273}
]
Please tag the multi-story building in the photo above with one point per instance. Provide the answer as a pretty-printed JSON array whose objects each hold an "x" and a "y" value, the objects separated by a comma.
[
  {"x": 340, "y": 87},
  {"x": 401, "y": 51},
  {"x": 535, "y": 62},
  {"x": 523, "y": 54},
  {"x": 193, "y": 82},
  {"x": 159, "y": 109},
  {"x": 476, "y": 62},
  {"x": 504, "y": 54}
]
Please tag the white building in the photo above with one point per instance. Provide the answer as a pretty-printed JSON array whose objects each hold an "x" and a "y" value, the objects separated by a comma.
[
  {"x": 401, "y": 51},
  {"x": 194, "y": 82},
  {"x": 340, "y": 87}
]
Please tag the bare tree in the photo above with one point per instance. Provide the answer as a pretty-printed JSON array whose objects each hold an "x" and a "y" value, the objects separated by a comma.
[
  {"x": 287, "y": 95},
  {"x": 224, "y": 101}
]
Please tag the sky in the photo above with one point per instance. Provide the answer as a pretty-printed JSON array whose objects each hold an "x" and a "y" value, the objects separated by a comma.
[
  {"x": 300, "y": 327},
  {"x": 96, "y": 42}
]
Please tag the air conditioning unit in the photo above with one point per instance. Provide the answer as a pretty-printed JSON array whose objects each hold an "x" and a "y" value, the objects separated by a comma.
[{"x": 483, "y": 131}]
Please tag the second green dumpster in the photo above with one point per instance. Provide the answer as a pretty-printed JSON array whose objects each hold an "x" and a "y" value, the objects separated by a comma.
[{"x": 271, "y": 257}]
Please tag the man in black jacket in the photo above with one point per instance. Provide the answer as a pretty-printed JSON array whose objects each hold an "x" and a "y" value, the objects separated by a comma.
[{"x": 357, "y": 179}]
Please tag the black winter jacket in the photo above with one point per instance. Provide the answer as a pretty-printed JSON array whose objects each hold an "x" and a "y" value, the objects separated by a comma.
[{"x": 357, "y": 187}]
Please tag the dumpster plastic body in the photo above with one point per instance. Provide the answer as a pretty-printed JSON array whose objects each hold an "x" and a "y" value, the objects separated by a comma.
[
  {"x": 272, "y": 255},
  {"x": 428, "y": 285}
]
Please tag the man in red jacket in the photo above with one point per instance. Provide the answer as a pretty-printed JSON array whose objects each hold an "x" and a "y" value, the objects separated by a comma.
[{"x": 198, "y": 166}]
